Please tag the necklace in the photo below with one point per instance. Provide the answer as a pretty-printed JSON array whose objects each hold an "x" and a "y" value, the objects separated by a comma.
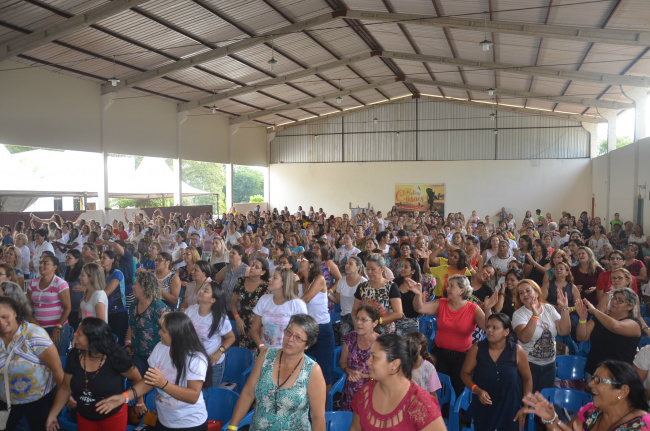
[
  {"x": 96, "y": 372},
  {"x": 419, "y": 369},
  {"x": 615, "y": 423},
  {"x": 285, "y": 380}
]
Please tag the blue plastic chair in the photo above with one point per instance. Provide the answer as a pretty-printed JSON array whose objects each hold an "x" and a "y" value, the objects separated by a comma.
[
  {"x": 220, "y": 403},
  {"x": 335, "y": 317},
  {"x": 432, "y": 340},
  {"x": 569, "y": 399},
  {"x": 566, "y": 339},
  {"x": 462, "y": 403},
  {"x": 337, "y": 372},
  {"x": 569, "y": 367},
  {"x": 246, "y": 421},
  {"x": 446, "y": 394},
  {"x": 238, "y": 360},
  {"x": 336, "y": 387},
  {"x": 233, "y": 324},
  {"x": 63, "y": 360},
  {"x": 583, "y": 348},
  {"x": 338, "y": 421}
]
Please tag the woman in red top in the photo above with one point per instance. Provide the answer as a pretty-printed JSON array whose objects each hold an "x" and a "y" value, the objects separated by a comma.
[
  {"x": 604, "y": 285},
  {"x": 391, "y": 401},
  {"x": 457, "y": 320}
]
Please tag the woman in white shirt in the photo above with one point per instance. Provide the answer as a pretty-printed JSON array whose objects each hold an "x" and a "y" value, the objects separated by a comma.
[
  {"x": 95, "y": 301},
  {"x": 213, "y": 327},
  {"x": 177, "y": 252},
  {"x": 343, "y": 291}
]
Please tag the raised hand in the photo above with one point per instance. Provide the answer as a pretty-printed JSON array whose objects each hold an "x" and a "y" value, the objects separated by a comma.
[
  {"x": 581, "y": 309},
  {"x": 491, "y": 300},
  {"x": 562, "y": 299},
  {"x": 537, "y": 404},
  {"x": 590, "y": 307}
]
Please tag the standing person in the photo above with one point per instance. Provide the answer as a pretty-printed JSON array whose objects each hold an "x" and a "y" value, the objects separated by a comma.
[
  {"x": 94, "y": 302},
  {"x": 537, "y": 262},
  {"x": 168, "y": 281},
  {"x": 200, "y": 276},
  {"x": 497, "y": 395},
  {"x": 117, "y": 315},
  {"x": 508, "y": 294},
  {"x": 586, "y": 273},
  {"x": 28, "y": 355},
  {"x": 344, "y": 290},
  {"x": 329, "y": 268},
  {"x": 21, "y": 243},
  {"x": 73, "y": 266},
  {"x": 177, "y": 250},
  {"x": 218, "y": 255},
  {"x": 178, "y": 367},
  {"x": 605, "y": 284},
  {"x": 94, "y": 370},
  {"x": 246, "y": 295},
  {"x": 536, "y": 324},
  {"x": 391, "y": 395},
  {"x": 41, "y": 245},
  {"x": 273, "y": 310},
  {"x": 562, "y": 280},
  {"x": 50, "y": 299},
  {"x": 410, "y": 321},
  {"x": 233, "y": 271},
  {"x": 126, "y": 263},
  {"x": 346, "y": 250},
  {"x": 213, "y": 327}
]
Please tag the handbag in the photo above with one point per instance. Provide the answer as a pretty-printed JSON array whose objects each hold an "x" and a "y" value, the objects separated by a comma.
[{"x": 4, "y": 414}]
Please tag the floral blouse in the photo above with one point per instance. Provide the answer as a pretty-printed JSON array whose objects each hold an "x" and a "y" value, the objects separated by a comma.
[
  {"x": 144, "y": 327},
  {"x": 589, "y": 414}
]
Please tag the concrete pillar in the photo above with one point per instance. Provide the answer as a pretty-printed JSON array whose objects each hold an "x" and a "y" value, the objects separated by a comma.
[
  {"x": 640, "y": 97},
  {"x": 234, "y": 128},
  {"x": 102, "y": 194},
  {"x": 610, "y": 115},
  {"x": 267, "y": 172},
  {"x": 592, "y": 128},
  {"x": 177, "y": 164}
]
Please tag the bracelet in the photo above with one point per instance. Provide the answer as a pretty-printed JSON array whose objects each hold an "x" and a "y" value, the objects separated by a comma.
[
  {"x": 473, "y": 387},
  {"x": 58, "y": 325},
  {"x": 233, "y": 427},
  {"x": 571, "y": 309},
  {"x": 135, "y": 393},
  {"x": 139, "y": 404},
  {"x": 331, "y": 291},
  {"x": 163, "y": 388},
  {"x": 534, "y": 319},
  {"x": 381, "y": 321},
  {"x": 582, "y": 321},
  {"x": 236, "y": 316},
  {"x": 261, "y": 345},
  {"x": 125, "y": 395},
  {"x": 127, "y": 342},
  {"x": 545, "y": 422}
]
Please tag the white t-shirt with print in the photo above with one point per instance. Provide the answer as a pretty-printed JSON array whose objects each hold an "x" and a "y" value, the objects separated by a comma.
[
  {"x": 202, "y": 325},
  {"x": 275, "y": 318},
  {"x": 88, "y": 308},
  {"x": 541, "y": 347}
]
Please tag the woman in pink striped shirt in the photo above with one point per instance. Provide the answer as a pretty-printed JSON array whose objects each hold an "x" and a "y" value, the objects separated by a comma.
[{"x": 50, "y": 298}]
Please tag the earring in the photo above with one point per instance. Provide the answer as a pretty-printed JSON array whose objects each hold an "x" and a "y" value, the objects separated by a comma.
[{"x": 619, "y": 397}]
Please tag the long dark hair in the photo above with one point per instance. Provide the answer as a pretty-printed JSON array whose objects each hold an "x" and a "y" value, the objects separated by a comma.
[
  {"x": 265, "y": 268},
  {"x": 111, "y": 255},
  {"x": 316, "y": 269},
  {"x": 398, "y": 347},
  {"x": 462, "y": 258},
  {"x": 72, "y": 274},
  {"x": 541, "y": 244},
  {"x": 101, "y": 340},
  {"x": 423, "y": 343},
  {"x": 505, "y": 321},
  {"x": 185, "y": 343},
  {"x": 414, "y": 267},
  {"x": 218, "y": 308},
  {"x": 624, "y": 374}
]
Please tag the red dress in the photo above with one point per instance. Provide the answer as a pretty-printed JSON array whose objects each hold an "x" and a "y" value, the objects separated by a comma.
[{"x": 415, "y": 412}]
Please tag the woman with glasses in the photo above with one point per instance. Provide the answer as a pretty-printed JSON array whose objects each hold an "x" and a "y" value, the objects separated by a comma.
[
  {"x": 619, "y": 402},
  {"x": 286, "y": 385},
  {"x": 604, "y": 286},
  {"x": 615, "y": 335},
  {"x": 356, "y": 351},
  {"x": 168, "y": 281}
]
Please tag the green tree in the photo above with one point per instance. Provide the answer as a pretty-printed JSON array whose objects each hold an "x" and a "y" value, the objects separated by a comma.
[
  {"x": 209, "y": 177},
  {"x": 256, "y": 198},
  {"x": 247, "y": 182},
  {"x": 621, "y": 141}
]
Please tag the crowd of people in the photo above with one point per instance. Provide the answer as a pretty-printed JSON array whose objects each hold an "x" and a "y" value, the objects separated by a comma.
[{"x": 159, "y": 301}]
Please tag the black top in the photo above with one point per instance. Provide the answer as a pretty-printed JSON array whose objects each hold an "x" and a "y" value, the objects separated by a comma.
[
  {"x": 407, "y": 304},
  {"x": 552, "y": 293},
  {"x": 607, "y": 345},
  {"x": 538, "y": 276},
  {"x": 102, "y": 384}
]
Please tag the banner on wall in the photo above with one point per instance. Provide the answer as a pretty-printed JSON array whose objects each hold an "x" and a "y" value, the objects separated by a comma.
[{"x": 420, "y": 197}]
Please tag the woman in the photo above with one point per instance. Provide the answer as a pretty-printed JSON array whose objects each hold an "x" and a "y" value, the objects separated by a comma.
[
  {"x": 410, "y": 321},
  {"x": 537, "y": 262},
  {"x": 144, "y": 317},
  {"x": 38, "y": 363},
  {"x": 94, "y": 371},
  {"x": 313, "y": 291},
  {"x": 356, "y": 351},
  {"x": 149, "y": 262},
  {"x": 635, "y": 266},
  {"x": 391, "y": 396},
  {"x": 50, "y": 299},
  {"x": 94, "y": 302},
  {"x": 168, "y": 281},
  {"x": 597, "y": 241},
  {"x": 525, "y": 248},
  {"x": 455, "y": 265},
  {"x": 393, "y": 254},
  {"x": 178, "y": 367},
  {"x": 190, "y": 257},
  {"x": 73, "y": 266},
  {"x": 137, "y": 234},
  {"x": 556, "y": 257},
  {"x": 13, "y": 257},
  {"x": 424, "y": 371},
  {"x": 619, "y": 402},
  {"x": 258, "y": 249},
  {"x": 605, "y": 283},
  {"x": 562, "y": 280},
  {"x": 344, "y": 290},
  {"x": 329, "y": 268},
  {"x": 497, "y": 396},
  {"x": 294, "y": 247},
  {"x": 200, "y": 276},
  {"x": 474, "y": 258},
  {"x": 117, "y": 314},
  {"x": 508, "y": 293},
  {"x": 232, "y": 237},
  {"x": 614, "y": 336},
  {"x": 586, "y": 273},
  {"x": 166, "y": 239},
  {"x": 548, "y": 240},
  {"x": 178, "y": 250},
  {"x": 233, "y": 271},
  {"x": 273, "y": 311},
  {"x": 213, "y": 327},
  {"x": 246, "y": 295},
  {"x": 289, "y": 396},
  {"x": 219, "y": 254},
  {"x": 207, "y": 242},
  {"x": 380, "y": 292},
  {"x": 457, "y": 320},
  {"x": 85, "y": 232},
  {"x": 21, "y": 243},
  {"x": 346, "y": 250},
  {"x": 536, "y": 324},
  {"x": 404, "y": 253},
  {"x": 492, "y": 248},
  {"x": 12, "y": 290}
]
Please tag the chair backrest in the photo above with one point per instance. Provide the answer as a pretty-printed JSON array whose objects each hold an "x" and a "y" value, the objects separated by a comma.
[
  {"x": 338, "y": 421},
  {"x": 238, "y": 360},
  {"x": 569, "y": 399},
  {"x": 220, "y": 403},
  {"x": 462, "y": 403},
  {"x": 570, "y": 367},
  {"x": 446, "y": 393},
  {"x": 336, "y": 387},
  {"x": 566, "y": 339},
  {"x": 337, "y": 372}
]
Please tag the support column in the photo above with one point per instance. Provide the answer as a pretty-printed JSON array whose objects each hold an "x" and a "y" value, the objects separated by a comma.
[
  {"x": 267, "y": 172},
  {"x": 234, "y": 128},
  {"x": 639, "y": 96},
  {"x": 592, "y": 128},
  {"x": 102, "y": 194},
  {"x": 610, "y": 115},
  {"x": 178, "y": 161}
]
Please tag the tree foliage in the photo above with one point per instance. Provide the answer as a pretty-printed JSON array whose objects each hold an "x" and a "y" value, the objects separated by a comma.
[
  {"x": 210, "y": 177},
  {"x": 621, "y": 141},
  {"x": 256, "y": 198},
  {"x": 247, "y": 182}
]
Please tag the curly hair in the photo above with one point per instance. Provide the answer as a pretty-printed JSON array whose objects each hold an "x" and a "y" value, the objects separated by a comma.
[{"x": 149, "y": 285}]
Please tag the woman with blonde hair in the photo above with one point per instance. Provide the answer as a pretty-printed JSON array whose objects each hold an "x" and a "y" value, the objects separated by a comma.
[
  {"x": 13, "y": 257},
  {"x": 95, "y": 301},
  {"x": 586, "y": 272},
  {"x": 219, "y": 254},
  {"x": 21, "y": 242}
]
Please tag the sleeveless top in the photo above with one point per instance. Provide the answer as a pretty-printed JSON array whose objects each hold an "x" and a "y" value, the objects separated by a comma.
[
  {"x": 317, "y": 307},
  {"x": 455, "y": 327},
  {"x": 286, "y": 408},
  {"x": 166, "y": 283},
  {"x": 552, "y": 293},
  {"x": 607, "y": 345}
]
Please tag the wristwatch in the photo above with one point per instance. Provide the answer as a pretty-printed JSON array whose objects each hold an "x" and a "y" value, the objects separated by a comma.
[{"x": 222, "y": 349}]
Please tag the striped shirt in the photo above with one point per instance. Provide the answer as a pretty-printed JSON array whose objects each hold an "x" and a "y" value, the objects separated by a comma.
[
  {"x": 47, "y": 304},
  {"x": 29, "y": 378}
]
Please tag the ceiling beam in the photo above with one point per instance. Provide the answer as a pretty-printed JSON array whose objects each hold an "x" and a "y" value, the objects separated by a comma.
[
  {"x": 574, "y": 100},
  {"x": 583, "y": 34},
  {"x": 216, "y": 53},
  {"x": 371, "y": 86},
  {"x": 274, "y": 81},
  {"x": 599, "y": 78},
  {"x": 47, "y": 34}
]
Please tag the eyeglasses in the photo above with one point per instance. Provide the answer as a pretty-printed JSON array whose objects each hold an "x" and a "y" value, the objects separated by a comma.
[
  {"x": 159, "y": 260},
  {"x": 619, "y": 299},
  {"x": 288, "y": 333},
  {"x": 363, "y": 320},
  {"x": 302, "y": 259},
  {"x": 617, "y": 278},
  {"x": 596, "y": 379},
  {"x": 69, "y": 257}
]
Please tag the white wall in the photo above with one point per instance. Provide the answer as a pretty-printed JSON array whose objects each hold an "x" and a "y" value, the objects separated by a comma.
[{"x": 549, "y": 184}]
